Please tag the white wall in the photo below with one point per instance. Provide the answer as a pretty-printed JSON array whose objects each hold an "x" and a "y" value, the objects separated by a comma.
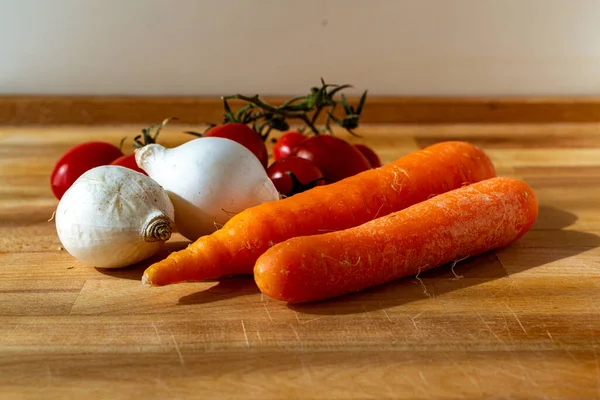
[{"x": 214, "y": 47}]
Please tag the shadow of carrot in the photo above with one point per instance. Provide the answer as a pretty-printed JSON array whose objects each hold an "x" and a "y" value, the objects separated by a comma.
[{"x": 227, "y": 288}]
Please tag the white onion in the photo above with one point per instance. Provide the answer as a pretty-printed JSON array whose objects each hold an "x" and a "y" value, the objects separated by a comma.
[
  {"x": 113, "y": 216},
  {"x": 209, "y": 180}
]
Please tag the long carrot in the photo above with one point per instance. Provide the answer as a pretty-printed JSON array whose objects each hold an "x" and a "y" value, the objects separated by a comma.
[
  {"x": 454, "y": 225},
  {"x": 350, "y": 202}
]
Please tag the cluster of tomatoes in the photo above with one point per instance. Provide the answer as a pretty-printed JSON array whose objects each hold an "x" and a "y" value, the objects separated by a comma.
[
  {"x": 300, "y": 162},
  {"x": 303, "y": 162}
]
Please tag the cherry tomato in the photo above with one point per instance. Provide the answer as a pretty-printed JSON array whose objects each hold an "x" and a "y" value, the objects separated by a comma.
[
  {"x": 293, "y": 175},
  {"x": 335, "y": 157},
  {"x": 370, "y": 154},
  {"x": 128, "y": 162},
  {"x": 245, "y": 136},
  {"x": 285, "y": 144},
  {"x": 79, "y": 159}
]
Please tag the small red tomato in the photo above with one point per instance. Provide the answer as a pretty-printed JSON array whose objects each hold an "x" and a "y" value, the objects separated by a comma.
[
  {"x": 79, "y": 159},
  {"x": 285, "y": 144},
  {"x": 128, "y": 162},
  {"x": 245, "y": 136},
  {"x": 293, "y": 175},
  {"x": 370, "y": 154},
  {"x": 335, "y": 157}
]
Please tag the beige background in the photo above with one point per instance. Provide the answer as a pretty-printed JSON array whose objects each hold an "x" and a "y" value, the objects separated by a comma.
[{"x": 392, "y": 47}]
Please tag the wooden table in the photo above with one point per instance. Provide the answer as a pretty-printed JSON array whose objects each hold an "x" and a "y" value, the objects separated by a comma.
[{"x": 523, "y": 322}]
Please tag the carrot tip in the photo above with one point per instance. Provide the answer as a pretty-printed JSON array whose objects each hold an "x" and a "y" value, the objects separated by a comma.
[{"x": 146, "y": 281}]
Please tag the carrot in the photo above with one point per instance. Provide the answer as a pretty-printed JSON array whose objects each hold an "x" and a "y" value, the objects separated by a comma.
[
  {"x": 350, "y": 202},
  {"x": 454, "y": 225}
]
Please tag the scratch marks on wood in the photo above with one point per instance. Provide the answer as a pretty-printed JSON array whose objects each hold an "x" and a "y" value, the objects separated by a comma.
[
  {"x": 157, "y": 334},
  {"x": 506, "y": 326},
  {"x": 385, "y": 312},
  {"x": 267, "y": 310},
  {"x": 295, "y": 332},
  {"x": 258, "y": 335},
  {"x": 76, "y": 298},
  {"x": 413, "y": 319},
  {"x": 517, "y": 318},
  {"x": 386, "y": 315},
  {"x": 424, "y": 389},
  {"x": 245, "y": 334},
  {"x": 549, "y": 335},
  {"x": 503, "y": 314},
  {"x": 489, "y": 328},
  {"x": 312, "y": 319},
  {"x": 525, "y": 376},
  {"x": 178, "y": 350},
  {"x": 415, "y": 324},
  {"x": 422, "y": 376}
]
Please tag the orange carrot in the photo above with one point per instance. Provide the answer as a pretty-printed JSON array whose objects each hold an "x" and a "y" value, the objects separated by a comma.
[
  {"x": 454, "y": 225},
  {"x": 350, "y": 202}
]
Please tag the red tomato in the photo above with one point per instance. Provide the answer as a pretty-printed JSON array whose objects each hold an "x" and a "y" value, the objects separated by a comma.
[
  {"x": 285, "y": 144},
  {"x": 337, "y": 158},
  {"x": 245, "y": 136},
  {"x": 79, "y": 159},
  {"x": 370, "y": 154},
  {"x": 293, "y": 175},
  {"x": 128, "y": 162}
]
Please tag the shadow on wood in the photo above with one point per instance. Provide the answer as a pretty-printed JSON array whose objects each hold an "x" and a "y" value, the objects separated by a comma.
[
  {"x": 136, "y": 271},
  {"x": 553, "y": 218},
  {"x": 227, "y": 288}
]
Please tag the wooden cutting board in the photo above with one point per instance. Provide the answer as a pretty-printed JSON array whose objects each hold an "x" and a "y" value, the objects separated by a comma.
[{"x": 523, "y": 322}]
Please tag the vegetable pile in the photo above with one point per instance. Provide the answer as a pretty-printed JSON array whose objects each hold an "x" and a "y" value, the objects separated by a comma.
[
  {"x": 353, "y": 201},
  {"x": 323, "y": 219}
]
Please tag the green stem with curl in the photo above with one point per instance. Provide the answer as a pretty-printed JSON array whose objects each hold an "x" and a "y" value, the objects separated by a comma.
[{"x": 276, "y": 110}]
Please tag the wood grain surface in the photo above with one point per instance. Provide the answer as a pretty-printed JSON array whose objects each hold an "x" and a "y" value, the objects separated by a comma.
[
  {"x": 520, "y": 323},
  {"x": 198, "y": 110}
]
